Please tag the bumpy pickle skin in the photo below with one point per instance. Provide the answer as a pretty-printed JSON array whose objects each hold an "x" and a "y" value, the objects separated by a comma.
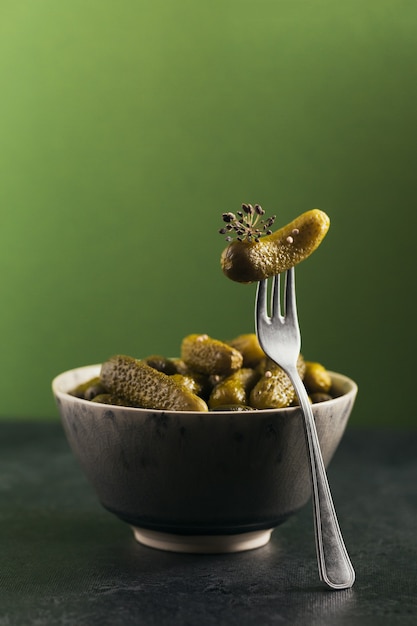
[
  {"x": 248, "y": 345},
  {"x": 234, "y": 389},
  {"x": 144, "y": 386},
  {"x": 273, "y": 391},
  {"x": 251, "y": 261},
  {"x": 189, "y": 382},
  {"x": 210, "y": 356},
  {"x": 268, "y": 364}
]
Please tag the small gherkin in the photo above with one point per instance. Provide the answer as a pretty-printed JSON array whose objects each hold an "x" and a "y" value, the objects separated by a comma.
[
  {"x": 210, "y": 356},
  {"x": 275, "y": 390},
  {"x": 246, "y": 260},
  {"x": 144, "y": 386},
  {"x": 234, "y": 389}
]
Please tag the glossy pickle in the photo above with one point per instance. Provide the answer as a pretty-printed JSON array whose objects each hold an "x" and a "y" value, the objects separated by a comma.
[
  {"x": 128, "y": 381},
  {"x": 251, "y": 261}
]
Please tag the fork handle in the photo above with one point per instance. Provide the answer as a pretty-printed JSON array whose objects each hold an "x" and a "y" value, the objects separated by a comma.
[{"x": 335, "y": 567}]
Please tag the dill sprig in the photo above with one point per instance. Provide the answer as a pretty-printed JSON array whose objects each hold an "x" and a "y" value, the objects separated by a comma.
[{"x": 247, "y": 224}]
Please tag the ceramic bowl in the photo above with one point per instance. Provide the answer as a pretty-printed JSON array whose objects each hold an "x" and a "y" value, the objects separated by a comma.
[{"x": 198, "y": 482}]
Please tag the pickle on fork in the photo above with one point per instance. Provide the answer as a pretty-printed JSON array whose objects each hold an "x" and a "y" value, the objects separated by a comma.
[{"x": 259, "y": 254}]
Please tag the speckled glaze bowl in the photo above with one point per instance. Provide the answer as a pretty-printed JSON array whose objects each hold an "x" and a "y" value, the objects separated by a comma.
[{"x": 198, "y": 482}]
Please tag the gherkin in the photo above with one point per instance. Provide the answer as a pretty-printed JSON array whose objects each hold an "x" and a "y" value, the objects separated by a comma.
[
  {"x": 317, "y": 379},
  {"x": 248, "y": 346},
  {"x": 273, "y": 391},
  {"x": 248, "y": 261},
  {"x": 234, "y": 389},
  {"x": 210, "y": 356},
  {"x": 144, "y": 386}
]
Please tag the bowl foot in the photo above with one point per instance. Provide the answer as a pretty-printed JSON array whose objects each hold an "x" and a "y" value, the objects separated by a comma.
[{"x": 202, "y": 544}]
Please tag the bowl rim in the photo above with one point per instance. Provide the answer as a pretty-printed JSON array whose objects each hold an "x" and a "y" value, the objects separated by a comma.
[{"x": 85, "y": 372}]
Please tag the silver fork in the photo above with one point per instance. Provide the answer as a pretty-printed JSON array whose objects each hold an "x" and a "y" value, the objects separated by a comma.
[{"x": 279, "y": 337}]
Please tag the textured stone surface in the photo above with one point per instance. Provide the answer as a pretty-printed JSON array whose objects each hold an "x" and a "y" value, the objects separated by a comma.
[{"x": 64, "y": 560}]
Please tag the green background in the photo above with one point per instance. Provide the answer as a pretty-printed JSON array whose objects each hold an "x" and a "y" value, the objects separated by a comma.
[{"x": 128, "y": 127}]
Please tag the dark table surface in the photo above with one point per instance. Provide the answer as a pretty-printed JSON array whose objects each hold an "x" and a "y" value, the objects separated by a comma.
[{"x": 65, "y": 560}]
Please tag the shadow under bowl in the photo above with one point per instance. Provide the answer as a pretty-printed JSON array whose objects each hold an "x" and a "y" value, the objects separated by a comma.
[{"x": 198, "y": 482}]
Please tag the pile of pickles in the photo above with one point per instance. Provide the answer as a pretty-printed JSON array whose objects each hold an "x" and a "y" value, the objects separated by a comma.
[{"x": 209, "y": 375}]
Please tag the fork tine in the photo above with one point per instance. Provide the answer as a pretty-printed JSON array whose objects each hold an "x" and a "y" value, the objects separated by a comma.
[
  {"x": 261, "y": 303},
  {"x": 290, "y": 298},
  {"x": 276, "y": 296}
]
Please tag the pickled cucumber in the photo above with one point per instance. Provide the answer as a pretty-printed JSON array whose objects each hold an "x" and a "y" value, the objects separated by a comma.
[
  {"x": 137, "y": 382},
  {"x": 161, "y": 363},
  {"x": 89, "y": 389},
  {"x": 202, "y": 383},
  {"x": 189, "y": 382},
  {"x": 210, "y": 356},
  {"x": 317, "y": 378},
  {"x": 268, "y": 364},
  {"x": 210, "y": 375},
  {"x": 319, "y": 396},
  {"x": 234, "y": 389},
  {"x": 248, "y": 345},
  {"x": 108, "y": 398},
  {"x": 250, "y": 261},
  {"x": 273, "y": 391}
]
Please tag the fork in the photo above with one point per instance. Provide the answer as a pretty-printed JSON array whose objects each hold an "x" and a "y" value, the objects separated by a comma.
[{"x": 280, "y": 339}]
